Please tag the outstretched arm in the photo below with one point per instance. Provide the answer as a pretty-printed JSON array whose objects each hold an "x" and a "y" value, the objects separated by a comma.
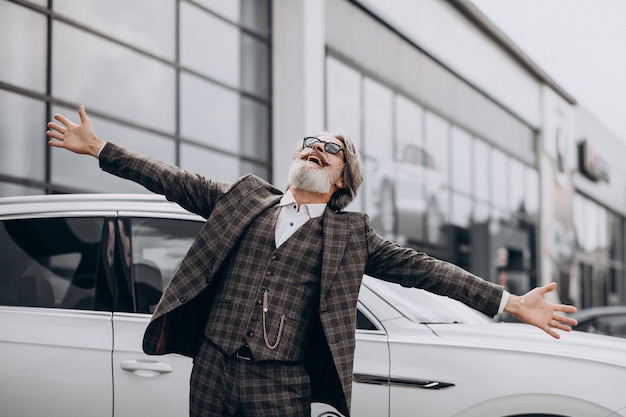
[
  {"x": 78, "y": 138},
  {"x": 533, "y": 309}
]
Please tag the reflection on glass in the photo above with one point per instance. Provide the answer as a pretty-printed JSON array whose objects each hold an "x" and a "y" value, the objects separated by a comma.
[
  {"x": 499, "y": 165},
  {"x": 22, "y": 142},
  {"x": 129, "y": 24},
  {"x": 461, "y": 167},
  {"x": 378, "y": 150},
  {"x": 343, "y": 99},
  {"x": 461, "y": 214},
  {"x": 209, "y": 113},
  {"x": 436, "y": 132},
  {"x": 517, "y": 190},
  {"x": 532, "y": 192},
  {"x": 209, "y": 45},
  {"x": 408, "y": 122},
  {"x": 113, "y": 79},
  {"x": 210, "y": 164},
  {"x": 481, "y": 170},
  {"x": 23, "y": 45},
  {"x": 377, "y": 120}
]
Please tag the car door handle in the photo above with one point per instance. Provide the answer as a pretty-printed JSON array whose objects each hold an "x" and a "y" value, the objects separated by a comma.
[{"x": 143, "y": 367}]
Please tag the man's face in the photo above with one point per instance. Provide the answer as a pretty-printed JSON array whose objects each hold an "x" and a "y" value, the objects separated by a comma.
[{"x": 316, "y": 170}]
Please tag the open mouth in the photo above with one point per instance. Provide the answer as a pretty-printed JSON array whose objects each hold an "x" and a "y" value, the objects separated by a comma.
[{"x": 315, "y": 159}]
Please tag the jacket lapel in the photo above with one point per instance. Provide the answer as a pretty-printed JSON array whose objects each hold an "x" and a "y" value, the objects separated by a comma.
[{"x": 335, "y": 234}]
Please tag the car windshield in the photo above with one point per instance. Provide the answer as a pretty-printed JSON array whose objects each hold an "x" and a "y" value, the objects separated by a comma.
[{"x": 423, "y": 307}]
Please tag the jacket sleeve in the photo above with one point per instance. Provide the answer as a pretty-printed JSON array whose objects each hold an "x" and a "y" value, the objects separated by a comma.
[
  {"x": 191, "y": 191},
  {"x": 409, "y": 268}
]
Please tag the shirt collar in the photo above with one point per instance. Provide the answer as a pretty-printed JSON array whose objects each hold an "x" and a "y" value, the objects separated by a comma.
[{"x": 315, "y": 210}]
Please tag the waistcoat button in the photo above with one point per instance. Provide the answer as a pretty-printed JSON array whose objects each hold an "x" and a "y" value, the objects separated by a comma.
[{"x": 250, "y": 333}]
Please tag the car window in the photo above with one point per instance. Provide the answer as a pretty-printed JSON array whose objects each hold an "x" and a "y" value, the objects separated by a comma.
[
  {"x": 363, "y": 323},
  {"x": 51, "y": 262},
  {"x": 158, "y": 247}
]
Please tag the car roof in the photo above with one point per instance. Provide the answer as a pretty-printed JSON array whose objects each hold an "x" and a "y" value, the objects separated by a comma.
[{"x": 88, "y": 202}]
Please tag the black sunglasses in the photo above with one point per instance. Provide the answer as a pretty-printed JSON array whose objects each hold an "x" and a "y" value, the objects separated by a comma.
[{"x": 330, "y": 147}]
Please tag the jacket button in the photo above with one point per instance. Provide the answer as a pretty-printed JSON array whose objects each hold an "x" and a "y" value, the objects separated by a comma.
[
  {"x": 268, "y": 273},
  {"x": 274, "y": 257},
  {"x": 250, "y": 333}
]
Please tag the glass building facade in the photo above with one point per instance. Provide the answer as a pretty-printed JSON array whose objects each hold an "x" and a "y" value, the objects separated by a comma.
[
  {"x": 430, "y": 183},
  {"x": 189, "y": 85}
]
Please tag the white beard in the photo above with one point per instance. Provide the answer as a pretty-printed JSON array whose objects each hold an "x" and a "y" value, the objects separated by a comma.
[{"x": 307, "y": 178}]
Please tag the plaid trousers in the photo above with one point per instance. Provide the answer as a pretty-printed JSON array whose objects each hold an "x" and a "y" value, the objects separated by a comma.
[{"x": 223, "y": 385}]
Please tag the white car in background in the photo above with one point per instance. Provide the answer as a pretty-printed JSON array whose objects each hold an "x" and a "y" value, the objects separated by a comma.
[
  {"x": 82, "y": 273},
  {"x": 407, "y": 193}
]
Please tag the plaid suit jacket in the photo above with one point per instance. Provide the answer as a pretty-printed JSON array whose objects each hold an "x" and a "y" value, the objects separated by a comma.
[{"x": 351, "y": 248}]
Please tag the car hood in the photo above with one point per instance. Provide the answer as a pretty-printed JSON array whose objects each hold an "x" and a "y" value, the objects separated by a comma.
[{"x": 527, "y": 338}]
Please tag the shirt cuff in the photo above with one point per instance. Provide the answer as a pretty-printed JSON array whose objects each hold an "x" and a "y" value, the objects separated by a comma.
[
  {"x": 100, "y": 151},
  {"x": 503, "y": 301}
]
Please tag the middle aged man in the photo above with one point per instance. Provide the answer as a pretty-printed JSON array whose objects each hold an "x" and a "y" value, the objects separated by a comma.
[{"x": 265, "y": 299}]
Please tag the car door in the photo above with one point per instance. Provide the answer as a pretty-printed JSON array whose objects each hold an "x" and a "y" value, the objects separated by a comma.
[
  {"x": 149, "y": 385},
  {"x": 55, "y": 330}
]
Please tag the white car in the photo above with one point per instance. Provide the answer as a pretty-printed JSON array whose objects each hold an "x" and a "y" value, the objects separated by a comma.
[{"x": 82, "y": 273}]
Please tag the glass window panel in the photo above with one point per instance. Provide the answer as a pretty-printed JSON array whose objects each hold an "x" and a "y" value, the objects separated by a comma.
[
  {"x": 209, "y": 113},
  {"x": 40, "y": 3},
  {"x": 481, "y": 170},
  {"x": 461, "y": 214},
  {"x": 129, "y": 23},
  {"x": 230, "y": 9},
  {"x": 209, "y": 45},
  {"x": 378, "y": 121},
  {"x": 377, "y": 147},
  {"x": 343, "y": 95},
  {"x": 255, "y": 68},
  {"x": 23, "y": 140},
  {"x": 499, "y": 164},
  {"x": 255, "y": 139},
  {"x": 480, "y": 212},
  {"x": 261, "y": 171},
  {"x": 408, "y": 118},
  {"x": 517, "y": 189},
  {"x": 532, "y": 192},
  {"x": 461, "y": 167},
  {"x": 436, "y": 135},
  {"x": 113, "y": 79},
  {"x": 23, "y": 44},
  {"x": 14, "y": 190},
  {"x": 578, "y": 213},
  {"x": 65, "y": 164},
  {"x": 158, "y": 247},
  {"x": 50, "y": 262},
  {"x": 591, "y": 224},
  {"x": 210, "y": 164},
  {"x": 255, "y": 15}
]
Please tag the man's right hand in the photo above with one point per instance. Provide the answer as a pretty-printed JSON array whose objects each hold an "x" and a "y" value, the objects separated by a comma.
[{"x": 78, "y": 138}]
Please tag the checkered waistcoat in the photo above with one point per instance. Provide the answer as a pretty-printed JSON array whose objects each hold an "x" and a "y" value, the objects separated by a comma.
[
  {"x": 286, "y": 278},
  {"x": 350, "y": 249}
]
